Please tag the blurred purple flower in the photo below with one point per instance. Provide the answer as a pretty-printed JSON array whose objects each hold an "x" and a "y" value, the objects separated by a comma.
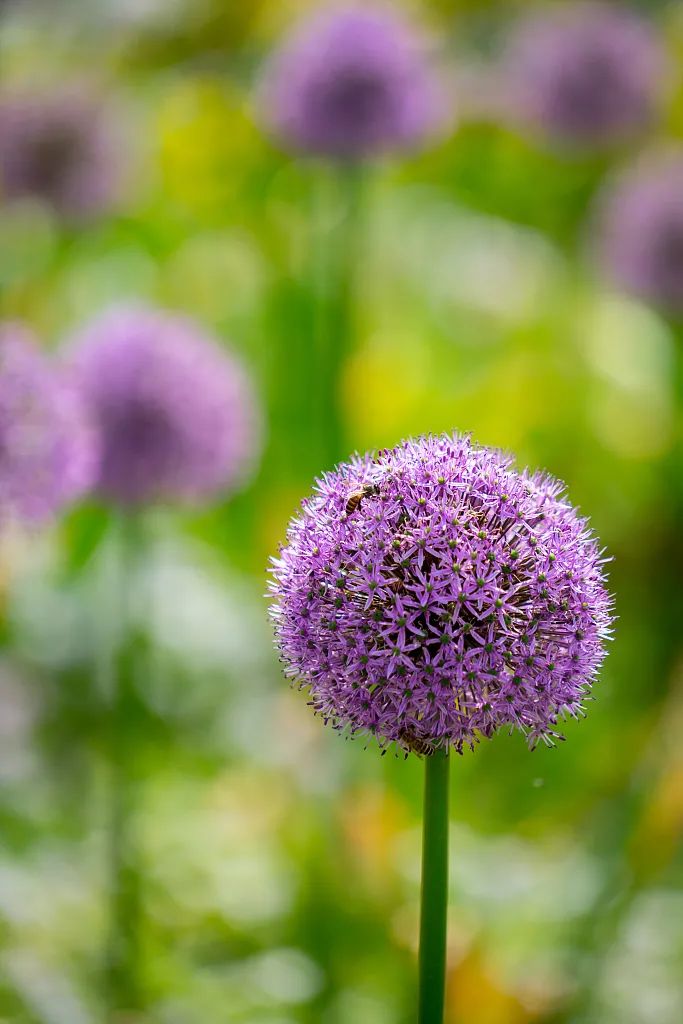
[
  {"x": 177, "y": 415},
  {"x": 351, "y": 83},
  {"x": 432, "y": 594},
  {"x": 48, "y": 451},
  {"x": 61, "y": 147},
  {"x": 584, "y": 74},
  {"x": 640, "y": 231}
]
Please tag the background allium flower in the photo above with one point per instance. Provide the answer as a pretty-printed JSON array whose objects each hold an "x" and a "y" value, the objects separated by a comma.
[
  {"x": 351, "y": 83},
  {"x": 48, "y": 451},
  {"x": 62, "y": 147},
  {"x": 432, "y": 594},
  {"x": 640, "y": 232},
  {"x": 176, "y": 413},
  {"x": 585, "y": 74}
]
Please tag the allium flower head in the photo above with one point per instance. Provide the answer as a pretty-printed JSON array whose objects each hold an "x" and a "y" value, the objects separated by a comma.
[
  {"x": 48, "y": 451},
  {"x": 351, "y": 83},
  {"x": 432, "y": 595},
  {"x": 59, "y": 147},
  {"x": 585, "y": 74},
  {"x": 640, "y": 231},
  {"x": 176, "y": 413}
]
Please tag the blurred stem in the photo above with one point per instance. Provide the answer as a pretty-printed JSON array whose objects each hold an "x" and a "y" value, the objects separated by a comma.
[
  {"x": 677, "y": 375},
  {"x": 336, "y": 317},
  {"x": 434, "y": 899},
  {"x": 123, "y": 952}
]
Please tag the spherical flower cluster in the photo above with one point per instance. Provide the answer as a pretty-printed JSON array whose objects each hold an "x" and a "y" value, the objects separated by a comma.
[
  {"x": 351, "y": 83},
  {"x": 176, "y": 413},
  {"x": 60, "y": 147},
  {"x": 585, "y": 74},
  {"x": 640, "y": 231},
  {"x": 431, "y": 595},
  {"x": 48, "y": 451}
]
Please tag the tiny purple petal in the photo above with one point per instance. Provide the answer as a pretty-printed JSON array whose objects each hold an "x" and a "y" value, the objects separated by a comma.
[
  {"x": 585, "y": 74},
  {"x": 48, "y": 450},
  {"x": 176, "y": 413},
  {"x": 351, "y": 83},
  {"x": 431, "y": 595},
  {"x": 639, "y": 243}
]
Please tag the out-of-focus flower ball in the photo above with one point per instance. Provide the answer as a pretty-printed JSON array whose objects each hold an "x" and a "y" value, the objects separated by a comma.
[
  {"x": 177, "y": 413},
  {"x": 351, "y": 83},
  {"x": 62, "y": 147},
  {"x": 584, "y": 75},
  {"x": 48, "y": 450},
  {"x": 639, "y": 243}
]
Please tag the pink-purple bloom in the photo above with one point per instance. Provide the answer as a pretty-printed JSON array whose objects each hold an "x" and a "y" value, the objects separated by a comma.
[
  {"x": 62, "y": 147},
  {"x": 48, "y": 450},
  {"x": 585, "y": 74},
  {"x": 176, "y": 412},
  {"x": 431, "y": 595},
  {"x": 640, "y": 231},
  {"x": 351, "y": 83}
]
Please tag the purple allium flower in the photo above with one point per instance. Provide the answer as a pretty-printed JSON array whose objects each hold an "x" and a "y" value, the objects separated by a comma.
[
  {"x": 585, "y": 74},
  {"x": 176, "y": 413},
  {"x": 60, "y": 147},
  {"x": 640, "y": 231},
  {"x": 351, "y": 83},
  {"x": 48, "y": 451},
  {"x": 432, "y": 595}
]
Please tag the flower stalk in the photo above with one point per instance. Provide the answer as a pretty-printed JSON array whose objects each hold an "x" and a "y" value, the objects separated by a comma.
[
  {"x": 123, "y": 957},
  {"x": 434, "y": 894},
  {"x": 336, "y": 318}
]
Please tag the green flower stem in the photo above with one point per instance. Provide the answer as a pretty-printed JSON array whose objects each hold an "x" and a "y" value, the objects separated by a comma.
[
  {"x": 336, "y": 325},
  {"x": 123, "y": 960},
  {"x": 434, "y": 901}
]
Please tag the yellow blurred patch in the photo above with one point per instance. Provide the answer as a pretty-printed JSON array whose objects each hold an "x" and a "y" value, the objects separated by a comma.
[
  {"x": 474, "y": 994},
  {"x": 372, "y": 817},
  {"x": 236, "y": 797},
  {"x": 207, "y": 143},
  {"x": 382, "y": 395},
  {"x": 278, "y": 16},
  {"x": 659, "y": 834},
  {"x": 283, "y": 503},
  {"x": 390, "y": 393}
]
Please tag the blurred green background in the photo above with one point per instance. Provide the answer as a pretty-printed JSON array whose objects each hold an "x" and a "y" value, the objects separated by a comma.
[{"x": 282, "y": 863}]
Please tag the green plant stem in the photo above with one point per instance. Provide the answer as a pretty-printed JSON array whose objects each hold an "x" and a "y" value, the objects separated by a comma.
[
  {"x": 336, "y": 325},
  {"x": 434, "y": 901},
  {"x": 125, "y": 910}
]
